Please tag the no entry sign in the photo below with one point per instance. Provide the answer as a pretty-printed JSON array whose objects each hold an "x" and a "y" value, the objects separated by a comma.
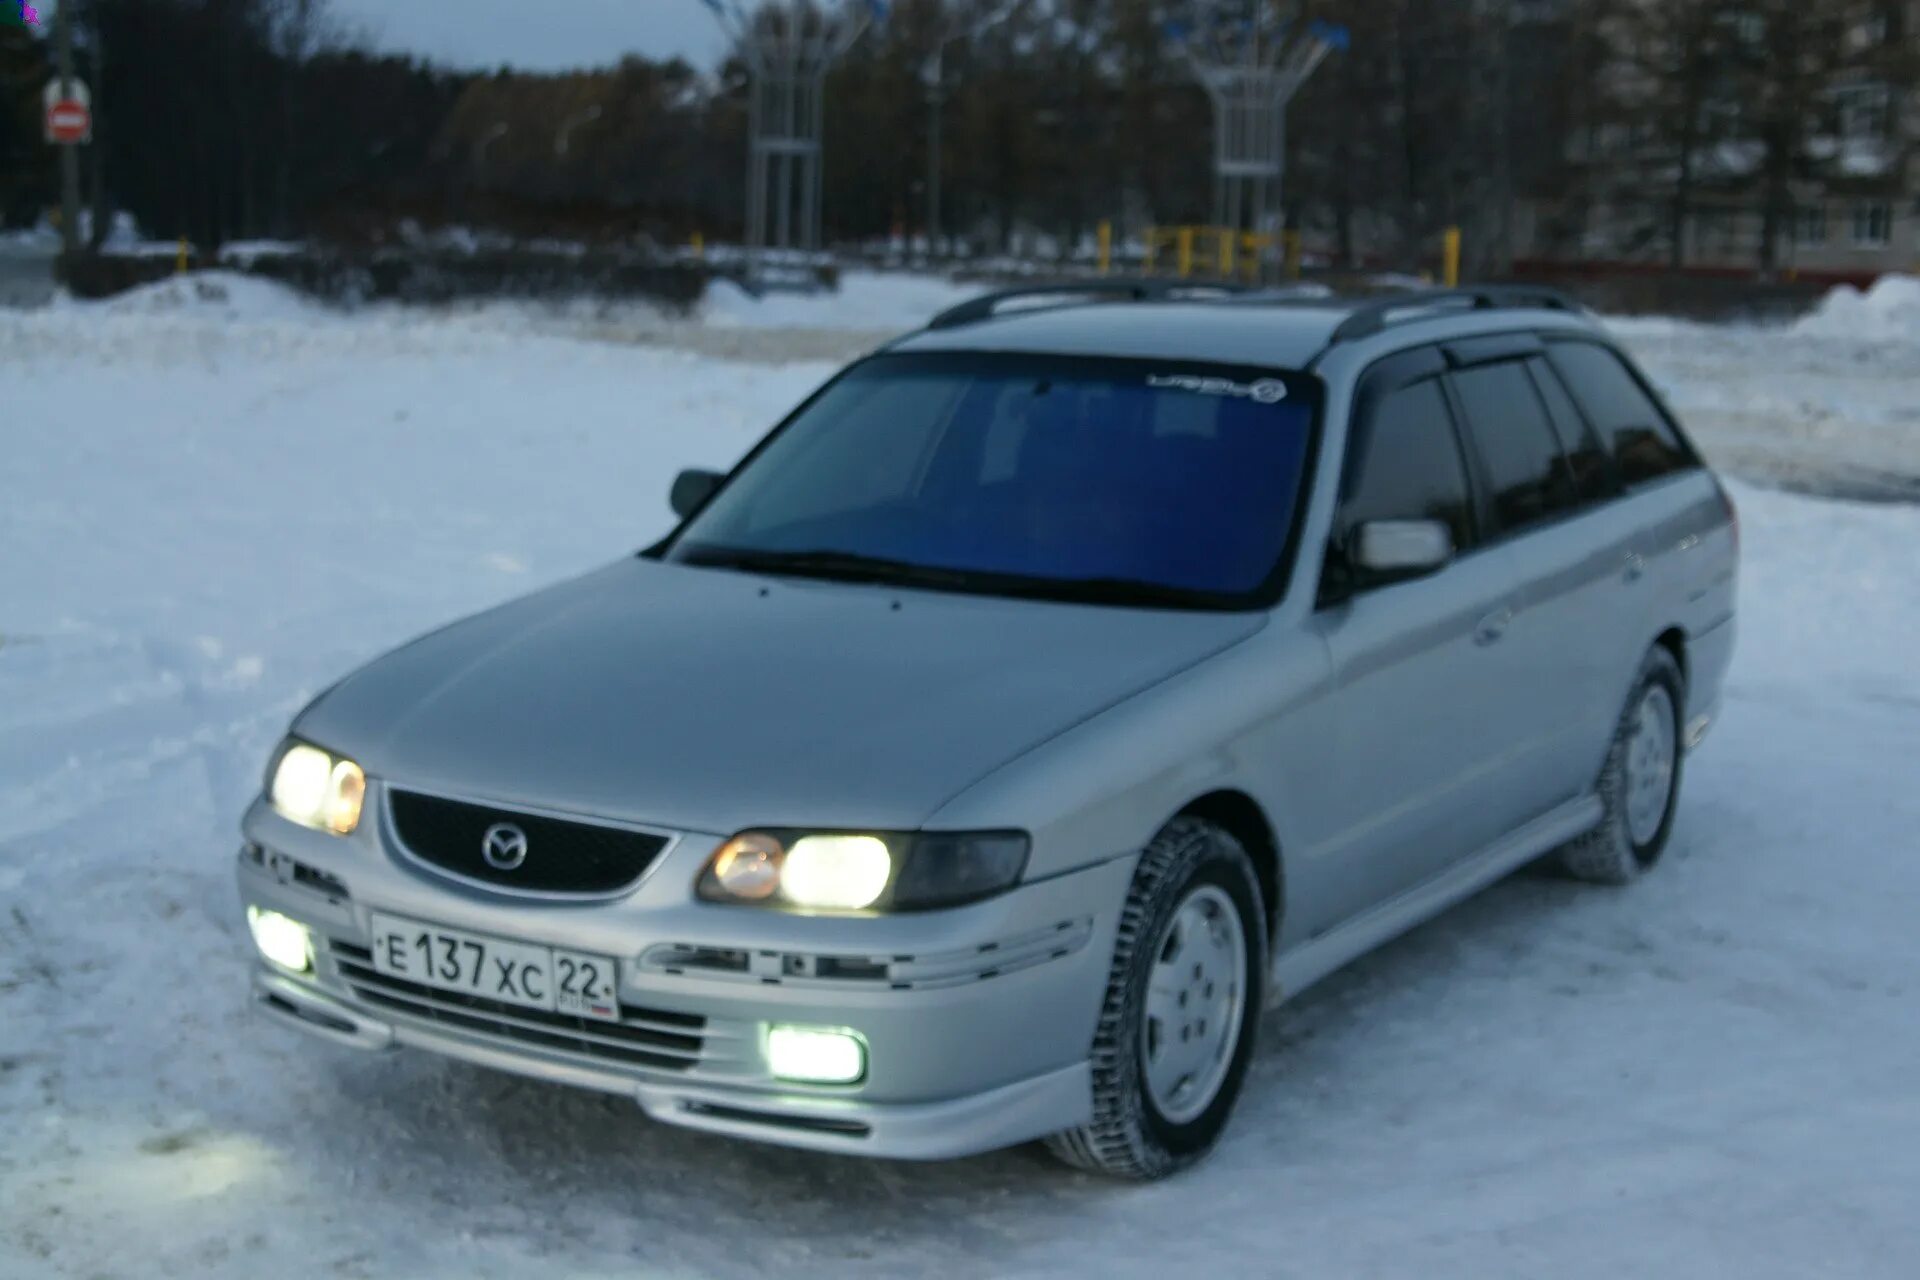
[{"x": 69, "y": 115}]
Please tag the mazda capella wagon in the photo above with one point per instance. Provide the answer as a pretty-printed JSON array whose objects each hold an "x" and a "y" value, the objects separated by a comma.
[{"x": 1050, "y": 693}]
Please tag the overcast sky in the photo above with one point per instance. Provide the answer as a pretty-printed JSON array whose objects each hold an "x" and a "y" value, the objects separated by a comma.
[{"x": 540, "y": 35}]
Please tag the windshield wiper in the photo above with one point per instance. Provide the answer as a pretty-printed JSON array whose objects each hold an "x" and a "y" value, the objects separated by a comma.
[
  {"x": 1118, "y": 591},
  {"x": 849, "y": 566},
  {"x": 834, "y": 566}
]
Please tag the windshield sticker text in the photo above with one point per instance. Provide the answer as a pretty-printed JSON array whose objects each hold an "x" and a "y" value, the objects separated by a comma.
[{"x": 1265, "y": 391}]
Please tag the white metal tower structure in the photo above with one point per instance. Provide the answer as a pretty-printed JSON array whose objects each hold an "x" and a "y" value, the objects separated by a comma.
[
  {"x": 1252, "y": 63},
  {"x": 788, "y": 46}
]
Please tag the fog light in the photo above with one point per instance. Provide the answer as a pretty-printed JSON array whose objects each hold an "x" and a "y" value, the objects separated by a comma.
[
  {"x": 817, "y": 1055},
  {"x": 281, "y": 939}
]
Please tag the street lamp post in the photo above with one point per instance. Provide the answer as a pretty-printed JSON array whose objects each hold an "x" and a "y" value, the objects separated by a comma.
[
  {"x": 493, "y": 135},
  {"x": 480, "y": 148},
  {"x": 564, "y": 138},
  {"x": 933, "y": 73},
  {"x": 69, "y": 155}
]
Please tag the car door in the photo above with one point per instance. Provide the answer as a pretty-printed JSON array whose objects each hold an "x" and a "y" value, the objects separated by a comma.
[
  {"x": 1673, "y": 516},
  {"x": 1411, "y": 776},
  {"x": 1548, "y": 497}
]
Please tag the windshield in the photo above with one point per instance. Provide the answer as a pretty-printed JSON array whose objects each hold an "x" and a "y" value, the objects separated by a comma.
[{"x": 1129, "y": 481}]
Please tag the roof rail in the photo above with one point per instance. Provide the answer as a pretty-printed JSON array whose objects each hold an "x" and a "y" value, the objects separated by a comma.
[
  {"x": 1136, "y": 289},
  {"x": 1374, "y": 317}
]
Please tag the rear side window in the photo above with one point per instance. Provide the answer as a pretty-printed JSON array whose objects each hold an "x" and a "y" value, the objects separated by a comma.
[
  {"x": 1409, "y": 467},
  {"x": 1526, "y": 472},
  {"x": 1631, "y": 425},
  {"x": 1586, "y": 456}
]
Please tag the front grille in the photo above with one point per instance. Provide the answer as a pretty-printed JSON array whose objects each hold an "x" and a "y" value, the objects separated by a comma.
[
  {"x": 562, "y": 855},
  {"x": 652, "y": 1038}
]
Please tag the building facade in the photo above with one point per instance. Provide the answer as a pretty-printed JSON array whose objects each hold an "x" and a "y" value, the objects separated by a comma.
[{"x": 1730, "y": 137}]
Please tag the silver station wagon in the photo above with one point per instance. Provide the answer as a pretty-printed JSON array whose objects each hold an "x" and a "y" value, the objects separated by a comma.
[{"x": 1050, "y": 693}]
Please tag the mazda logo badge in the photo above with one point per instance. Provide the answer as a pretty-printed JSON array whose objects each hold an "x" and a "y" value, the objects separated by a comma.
[{"x": 504, "y": 846}]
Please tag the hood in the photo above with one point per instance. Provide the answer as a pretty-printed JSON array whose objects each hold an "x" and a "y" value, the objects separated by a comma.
[{"x": 711, "y": 700}]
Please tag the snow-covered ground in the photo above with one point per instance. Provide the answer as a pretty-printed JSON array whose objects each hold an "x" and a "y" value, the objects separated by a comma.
[
  {"x": 211, "y": 508},
  {"x": 1830, "y": 404}
]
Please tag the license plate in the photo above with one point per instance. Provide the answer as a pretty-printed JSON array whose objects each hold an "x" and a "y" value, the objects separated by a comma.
[{"x": 517, "y": 973}]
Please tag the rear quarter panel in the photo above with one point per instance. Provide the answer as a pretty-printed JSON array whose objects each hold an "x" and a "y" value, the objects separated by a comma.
[{"x": 1690, "y": 546}]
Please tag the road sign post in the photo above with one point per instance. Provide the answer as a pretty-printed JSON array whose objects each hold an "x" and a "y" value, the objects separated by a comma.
[
  {"x": 69, "y": 115},
  {"x": 69, "y": 123}
]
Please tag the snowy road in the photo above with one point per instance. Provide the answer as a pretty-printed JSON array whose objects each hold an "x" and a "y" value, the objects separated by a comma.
[{"x": 203, "y": 520}]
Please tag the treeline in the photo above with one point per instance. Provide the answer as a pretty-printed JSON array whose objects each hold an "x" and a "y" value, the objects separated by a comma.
[{"x": 227, "y": 119}]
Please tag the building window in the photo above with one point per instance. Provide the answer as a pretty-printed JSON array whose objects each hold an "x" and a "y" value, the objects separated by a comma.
[
  {"x": 1725, "y": 116},
  {"x": 1873, "y": 225},
  {"x": 1810, "y": 224},
  {"x": 1716, "y": 231},
  {"x": 1865, "y": 111}
]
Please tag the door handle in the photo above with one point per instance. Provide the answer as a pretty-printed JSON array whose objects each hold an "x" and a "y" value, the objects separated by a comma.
[
  {"x": 1636, "y": 566},
  {"x": 1491, "y": 628}
]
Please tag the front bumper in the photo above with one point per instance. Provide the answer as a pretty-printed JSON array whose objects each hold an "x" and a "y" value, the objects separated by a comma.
[
  {"x": 984, "y": 1121},
  {"x": 977, "y": 1020}
]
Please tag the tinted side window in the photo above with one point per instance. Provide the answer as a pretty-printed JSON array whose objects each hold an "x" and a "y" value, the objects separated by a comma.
[
  {"x": 1409, "y": 465},
  {"x": 1630, "y": 423},
  {"x": 1586, "y": 457},
  {"x": 1508, "y": 423}
]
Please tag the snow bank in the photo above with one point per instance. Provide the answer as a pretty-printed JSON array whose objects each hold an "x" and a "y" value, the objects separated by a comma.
[
  {"x": 244, "y": 253},
  {"x": 35, "y": 240},
  {"x": 1888, "y": 312},
  {"x": 221, "y": 295},
  {"x": 865, "y": 302}
]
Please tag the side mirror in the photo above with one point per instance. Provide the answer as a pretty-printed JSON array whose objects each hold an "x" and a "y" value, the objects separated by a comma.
[
  {"x": 691, "y": 489},
  {"x": 1383, "y": 551}
]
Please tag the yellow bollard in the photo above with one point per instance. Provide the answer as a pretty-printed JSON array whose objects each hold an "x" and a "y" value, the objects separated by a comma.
[
  {"x": 1450, "y": 275},
  {"x": 1226, "y": 252},
  {"x": 180, "y": 258},
  {"x": 698, "y": 243},
  {"x": 1185, "y": 251},
  {"x": 1106, "y": 246},
  {"x": 1293, "y": 250}
]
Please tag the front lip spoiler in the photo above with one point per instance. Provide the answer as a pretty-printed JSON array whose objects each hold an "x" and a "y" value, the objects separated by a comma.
[
  {"x": 290, "y": 1001},
  {"x": 947, "y": 1129}
]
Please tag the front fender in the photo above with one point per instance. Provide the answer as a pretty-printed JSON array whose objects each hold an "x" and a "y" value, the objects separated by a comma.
[{"x": 1101, "y": 790}]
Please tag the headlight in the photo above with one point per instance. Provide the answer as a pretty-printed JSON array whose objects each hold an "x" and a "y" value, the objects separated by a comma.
[
  {"x": 317, "y": 789},
  {"x": 862, "y": 871}
]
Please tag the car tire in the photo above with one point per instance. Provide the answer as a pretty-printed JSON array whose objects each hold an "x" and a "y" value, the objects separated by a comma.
[
  {"x": 1148, "y": 1119},
  {"x": 1639, "y": 783}
]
